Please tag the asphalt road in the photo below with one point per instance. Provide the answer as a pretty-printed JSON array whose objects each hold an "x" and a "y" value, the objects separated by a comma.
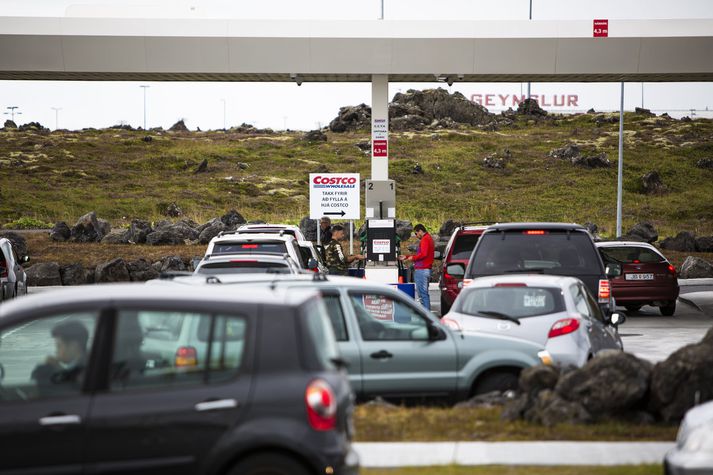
[{"x": 645, "y": 333}]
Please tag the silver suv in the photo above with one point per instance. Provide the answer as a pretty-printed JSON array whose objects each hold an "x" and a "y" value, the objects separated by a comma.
[{"x": 252, "y": 244}]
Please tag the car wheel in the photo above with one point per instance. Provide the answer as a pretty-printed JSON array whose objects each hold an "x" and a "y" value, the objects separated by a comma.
[
  {"x": 668, "y": 310},
  {"x": 268, "y": 464},
  {"x": 500, "y": 381},
  {"x": 633, "y": 308}
]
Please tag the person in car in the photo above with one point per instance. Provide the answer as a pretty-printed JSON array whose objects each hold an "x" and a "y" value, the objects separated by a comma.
[
  {"x": 337, "y": 262},
  {"x": 70, "y": 356},
  {"x": 422, "y": 262}
]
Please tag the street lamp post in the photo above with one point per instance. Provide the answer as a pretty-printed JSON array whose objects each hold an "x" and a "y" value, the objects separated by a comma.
[
  {"x": 144, "y": 88},
  {"x": 528, "y": 82},
  {"x": 56, "y": 117},
  {"x": 224, "y": 127},
  {"x": 12, "y": 112}
]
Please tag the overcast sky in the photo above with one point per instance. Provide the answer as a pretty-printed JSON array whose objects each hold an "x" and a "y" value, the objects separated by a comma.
[{"x": 277, "y": 105}]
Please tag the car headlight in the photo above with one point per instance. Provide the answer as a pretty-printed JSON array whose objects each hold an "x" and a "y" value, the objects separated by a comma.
[{"x": 699, "y": 439}]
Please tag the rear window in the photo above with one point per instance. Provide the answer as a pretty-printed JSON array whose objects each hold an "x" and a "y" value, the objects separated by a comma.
[
  {"x": 320, "y": 338},
  {"x": 464, "y": 245},
  {"x": 518, "y": 302},
  {"x": 250, "y": 248},
  {"x": 549, "y": 252},
  {"x": 243, "y": 267},
  {"x": 630, "y": 255}
]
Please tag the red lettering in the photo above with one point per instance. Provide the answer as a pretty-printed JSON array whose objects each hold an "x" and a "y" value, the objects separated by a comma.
[
  {"x": 503, "y": 99},
  {"x": 517, "y": 100},
  {"x": 572, "y": 100},
  {"x": 544, "y": 102},
  {"x": 555, "y": 99},
  {"x": 339, "y": 180},
  {"x": 477, "y": 98},
  {"x": 488, "y": 99}
]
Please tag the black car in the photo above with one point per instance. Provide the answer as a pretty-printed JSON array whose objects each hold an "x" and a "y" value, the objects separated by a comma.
[
  {"x": 543, "y": 248},
  {"x": 94, "y": 382}
]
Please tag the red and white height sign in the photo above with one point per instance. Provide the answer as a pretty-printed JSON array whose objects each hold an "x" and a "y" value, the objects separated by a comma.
[
  {"x": 600, "y": 28},
  {"x": 380, "y": 138}
]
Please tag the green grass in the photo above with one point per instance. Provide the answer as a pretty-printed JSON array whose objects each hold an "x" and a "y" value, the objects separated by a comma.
[
  {"x": 433, "y": 424},
  {"x": 60, "y": 176},
  {"x": 517, "y": 470}
]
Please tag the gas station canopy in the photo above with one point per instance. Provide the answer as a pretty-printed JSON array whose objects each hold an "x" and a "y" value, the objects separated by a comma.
[{"x": 120, "y": 49}]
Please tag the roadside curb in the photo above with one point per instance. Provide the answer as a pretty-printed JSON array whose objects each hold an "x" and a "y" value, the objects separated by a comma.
[{"x": 413, "y": 454}]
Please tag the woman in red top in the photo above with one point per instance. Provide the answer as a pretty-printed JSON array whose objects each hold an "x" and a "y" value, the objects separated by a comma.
[{"x": 422, "y": 262}]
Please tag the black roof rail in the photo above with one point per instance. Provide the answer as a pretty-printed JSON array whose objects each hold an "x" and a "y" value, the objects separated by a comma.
[
  {"x": 172, "y": 274},
  {"x": 319, "y": 277}
]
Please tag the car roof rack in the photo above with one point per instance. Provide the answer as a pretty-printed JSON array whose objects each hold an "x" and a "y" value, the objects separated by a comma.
[{"x": 172, "y": 274}]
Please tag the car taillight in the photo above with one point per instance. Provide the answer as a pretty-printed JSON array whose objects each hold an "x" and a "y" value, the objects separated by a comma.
[
  {"x": 249, "y": 246},
  {"x": 452, "y": 324},
  {"x": 321, "y": 405},
  {"x": 604, "y": 291},
  {"x": 672, "y": 269},
  {"x": 186, "y": 356},
  {"x": 534, "y": 232},
  {"x": 563, "y": 327}
]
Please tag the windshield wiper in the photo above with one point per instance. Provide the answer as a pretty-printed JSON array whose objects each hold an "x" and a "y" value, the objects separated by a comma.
[
  {"x": 534, "y": 270},
  {"x": 499, "y": 316}
]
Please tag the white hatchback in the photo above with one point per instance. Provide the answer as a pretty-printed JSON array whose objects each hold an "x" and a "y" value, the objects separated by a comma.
[{"x": 555, "y": 311}]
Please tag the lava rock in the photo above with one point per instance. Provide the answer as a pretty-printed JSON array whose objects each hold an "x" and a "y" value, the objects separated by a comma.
[
  {"x": 531, "y": 107},
  {"x": 309, "y": 228},
  {"x": 179, "y": 126},
  {"x": 87, "y": 229},
  {"x": 704, "y": 244},
  {"x": 73, "y": 274},
  {"x": 141, "y": 270},
  {"x": 118, "y": 236},
  {"x": 174, "y": 234},
  {"x": 404, "y": 229},
  {"x": 43, "y": 274},
  {"x": 569, "y": 152},
  {"x": 18, "y": 242},
  {"x": 173, "y": 211},
  {"x": 203, "y": 167},
  {"x": 705, "y": 163},
  {"x": 112, "y": 271},
  {"x": 550, "y": 409},
  {"x": 60, "y": 232},
  {"x": 173, "y": 263},
  {"x": 315, "y": 136},
  {"x": 644, "y": 231},
  {"x": 612, "y": 382},
  {"x": 651, "y": 183},
  {"x": 232, "y": 219},
  {"x": 695, "y": 268},
  {"x": 592, "y": 161},
  {"x": 10, "y": 124},
  {"x": 417, "y": 169},
  {"x": 351, "y": 118},
  {"x": 214, "y": 228},
  {"x": 683, "y": 380},
  {"x": 538, "y": 378},
  {"x": 642, "y": 111},
  {"x": 138, "y": 230},
  {"x": 683, "y": 242}
]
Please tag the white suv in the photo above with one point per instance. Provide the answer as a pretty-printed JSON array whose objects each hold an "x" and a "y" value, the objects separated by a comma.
[
  {"x": 274, "y": 244},
  {"x": 272, "y": 229}
]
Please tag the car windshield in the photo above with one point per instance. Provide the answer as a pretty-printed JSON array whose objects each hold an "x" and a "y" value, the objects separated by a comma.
[
  {"x": 548, "y": 252},
  {"x": 515, "y": 302},
  {"x": 244, "y": 267},
  {"x": 250, "y": 248},
  {"x": 464, "y": 245},
  {"x": 630, "y": 255}
]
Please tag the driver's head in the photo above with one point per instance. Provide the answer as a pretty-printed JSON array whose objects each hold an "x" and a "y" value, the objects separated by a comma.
[
  {"x": 70, "y": 341},
  {"x": 338, "y": 232}
]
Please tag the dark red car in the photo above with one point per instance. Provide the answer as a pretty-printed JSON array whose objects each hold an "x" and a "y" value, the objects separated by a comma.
[
  {"x": 455, "y": 260},
  {"x": 647, "y": 278}
]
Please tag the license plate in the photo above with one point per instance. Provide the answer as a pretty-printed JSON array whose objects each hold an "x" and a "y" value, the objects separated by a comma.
[{"x": 639, "y": 277}]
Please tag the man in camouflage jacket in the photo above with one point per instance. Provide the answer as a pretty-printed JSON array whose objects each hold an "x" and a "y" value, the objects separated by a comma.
[{"x": 337, "y": 262}]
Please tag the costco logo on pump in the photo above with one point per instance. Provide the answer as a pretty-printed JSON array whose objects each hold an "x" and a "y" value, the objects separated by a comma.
[{"x": 334, "y": 180}]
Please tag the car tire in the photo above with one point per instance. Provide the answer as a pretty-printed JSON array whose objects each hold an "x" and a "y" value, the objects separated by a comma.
[
  {"x": 269, "y": 464},
  {"x": 633, "y": 308},
  {"x": 668, "y": 310},
  {"x": 500, "y": 381}
]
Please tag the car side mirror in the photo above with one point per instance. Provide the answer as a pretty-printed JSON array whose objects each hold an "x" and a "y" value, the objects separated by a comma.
[
  {"x": 613, "y": 270},
  {"x": 25, "y": 259},
  {"x": 435, "y": 333},
  {"x": 616, "y": 319},
  {"x": 438, "y": 255},
  {"x": 312, "y": 263}
]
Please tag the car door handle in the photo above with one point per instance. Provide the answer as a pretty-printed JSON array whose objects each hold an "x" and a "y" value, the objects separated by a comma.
[
  {"x": 381, "y": 355},
  {"x": 216, "y": 405},
  {"x": 60, "y": 420}
]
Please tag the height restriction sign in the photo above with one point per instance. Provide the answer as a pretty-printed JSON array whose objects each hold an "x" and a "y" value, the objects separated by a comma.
[{"x": 335, "y": 195}]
